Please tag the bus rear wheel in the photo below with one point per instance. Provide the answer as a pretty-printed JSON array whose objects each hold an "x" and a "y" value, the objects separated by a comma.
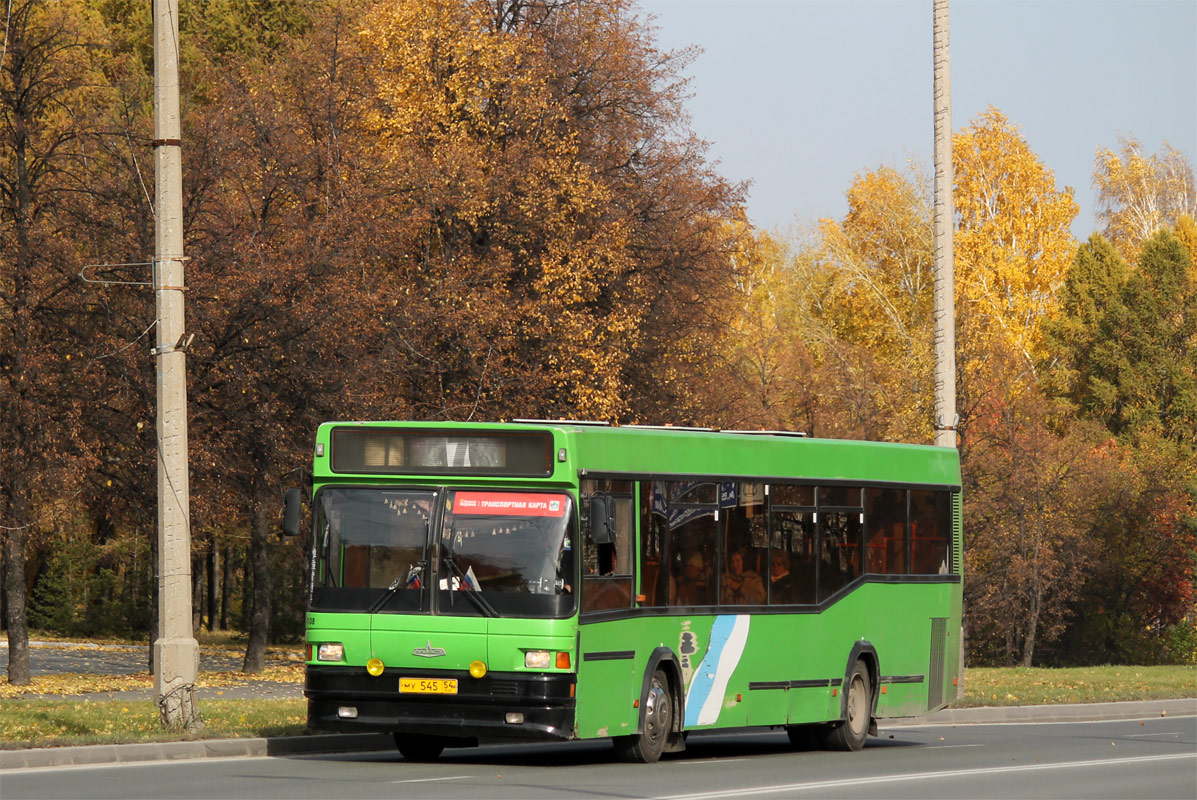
[
  {"x": 646, "y": 747},
  {"x": 850, "y": 733},
  {"x": 419, "y": 748}
]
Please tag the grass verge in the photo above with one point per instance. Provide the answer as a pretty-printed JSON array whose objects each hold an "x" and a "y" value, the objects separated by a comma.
[
  {"x": 1019, "y": 686},
  {"x": 56, "y": 723}
]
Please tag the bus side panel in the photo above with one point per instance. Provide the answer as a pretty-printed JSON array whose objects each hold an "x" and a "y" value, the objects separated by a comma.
[
  {"x": 607, "y": 681},
  {"x": 907, "y": 626},
  {"x": 789, "y": 668}
]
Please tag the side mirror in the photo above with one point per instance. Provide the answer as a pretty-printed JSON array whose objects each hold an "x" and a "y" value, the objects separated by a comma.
[
  {"x": 292, "y": 512},
  {"x": 602, "y": 528}
]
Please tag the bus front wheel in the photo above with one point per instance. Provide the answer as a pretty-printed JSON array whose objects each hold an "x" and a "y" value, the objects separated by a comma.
[
  {"x": 850, "y": 732},
  {"x": 419, "y": 748},
  {"x": 646, "y": 747}
]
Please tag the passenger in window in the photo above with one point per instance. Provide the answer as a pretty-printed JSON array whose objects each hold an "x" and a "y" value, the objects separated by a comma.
[
  {"x": 741, "y": 586},
  {"x": 781, "y": 582},
  {"x": 691, "y": 589}
]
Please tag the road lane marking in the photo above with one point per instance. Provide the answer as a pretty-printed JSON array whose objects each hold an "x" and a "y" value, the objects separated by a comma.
[
  {"x": 917, "y": 776},
  {"x": 893, "y": 727},
  {"x": 1141, "y": 735},
  {"x": 950, "y": 746},
  {"x": 432, "y": 780}
]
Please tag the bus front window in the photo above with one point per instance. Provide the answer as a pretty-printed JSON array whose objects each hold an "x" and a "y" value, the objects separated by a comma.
[
  {"x": 514, "y": 549},
  {"x": 371, "y": 550}
]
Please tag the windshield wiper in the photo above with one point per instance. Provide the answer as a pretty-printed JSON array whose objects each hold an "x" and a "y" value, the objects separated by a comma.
[
  {"x": 326, "y": 551},
  {"x": 476, "y": 595},
  {"x": 403, "y": 581}
]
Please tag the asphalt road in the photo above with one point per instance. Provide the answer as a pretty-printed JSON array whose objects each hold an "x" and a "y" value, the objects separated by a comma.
[{"x": 1150, "y": 758}]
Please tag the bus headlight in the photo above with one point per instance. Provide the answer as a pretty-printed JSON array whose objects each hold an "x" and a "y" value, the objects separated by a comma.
[
  {"x": 537, "y": 659},
  {"x": 330, "y": 651}
]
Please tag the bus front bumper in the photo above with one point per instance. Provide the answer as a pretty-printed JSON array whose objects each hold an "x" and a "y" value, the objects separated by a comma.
[{"x": 498, "y": 705}]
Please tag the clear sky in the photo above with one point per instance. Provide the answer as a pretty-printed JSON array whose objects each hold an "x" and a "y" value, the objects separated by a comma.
[{"x": 798, "y": 96}]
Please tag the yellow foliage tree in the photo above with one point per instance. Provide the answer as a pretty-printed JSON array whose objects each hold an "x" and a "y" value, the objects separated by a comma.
[
  {"x": 880, "y": 303},
  {"x": 1013, "y": 244},
  {"x": 518, "y": 237},
  {"x": 1186, "y": 231},
  {"x": 1140, "y": 194},
  {"x": 767, "y": 347}
]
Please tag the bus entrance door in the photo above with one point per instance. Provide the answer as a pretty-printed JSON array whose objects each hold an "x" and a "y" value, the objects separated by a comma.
[{"x": 607, "y": 684}]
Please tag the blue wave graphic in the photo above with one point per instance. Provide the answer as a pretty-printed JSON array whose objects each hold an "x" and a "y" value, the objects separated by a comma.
[{"x": 705, "y": 676}]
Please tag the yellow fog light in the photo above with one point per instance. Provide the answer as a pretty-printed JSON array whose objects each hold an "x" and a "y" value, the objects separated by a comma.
[
  {"x": 374, "y": 667},
  {"x": 477, "y": 669}
]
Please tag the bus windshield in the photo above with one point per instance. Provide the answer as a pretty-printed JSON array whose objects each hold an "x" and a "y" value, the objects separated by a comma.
[
  {"x": 371, "y": 548},
  {"x": 499, "y": 553},
  {"x": 513, "y": 550}
]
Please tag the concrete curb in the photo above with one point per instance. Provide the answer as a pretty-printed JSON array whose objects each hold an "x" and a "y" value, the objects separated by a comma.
[
  {"x": 180, "y": 751},
  {"x": 362, "y": 742},
  {"x": 1077, "y": 712}
]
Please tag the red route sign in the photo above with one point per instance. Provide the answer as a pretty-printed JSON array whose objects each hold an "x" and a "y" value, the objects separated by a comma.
[{"x": 510, "y": 504}]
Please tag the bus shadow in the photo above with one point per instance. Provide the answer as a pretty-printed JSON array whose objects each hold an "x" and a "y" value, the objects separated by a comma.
[{"x": 701, "y": 747}]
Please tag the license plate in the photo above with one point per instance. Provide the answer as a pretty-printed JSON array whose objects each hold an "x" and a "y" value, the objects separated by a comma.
[{"x": 428, "y": 685}]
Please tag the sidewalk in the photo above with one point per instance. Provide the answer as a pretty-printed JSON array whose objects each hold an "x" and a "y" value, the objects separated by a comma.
[
  {"x": 88, "y": 658},
  {"x": 338, "y": 743}
]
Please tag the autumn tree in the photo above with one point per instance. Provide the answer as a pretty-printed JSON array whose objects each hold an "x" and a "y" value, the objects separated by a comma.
[
  {"x": 52, "y": 93},
  {"x": 1138, "y": 194},
  {"x": 1186, "y": 232},
  {"x": 880, "y": 305},
  {"x": 1012, "y": 246},
  {"x": 1029, "y": 487},
  {"x": 766, "y": 356},
  {"x": 544, "y": 209},
  {"x": 1121, "y": 350},
  {"x": 271, "y": 309},
  {"x": 1141, "y": 582}
]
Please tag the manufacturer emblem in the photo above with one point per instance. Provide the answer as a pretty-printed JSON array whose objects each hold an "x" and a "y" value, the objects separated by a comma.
[{"x": 428, "y": 651}]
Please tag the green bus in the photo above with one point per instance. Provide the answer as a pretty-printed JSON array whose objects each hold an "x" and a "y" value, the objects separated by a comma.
[{"x": 560, "y": 580}]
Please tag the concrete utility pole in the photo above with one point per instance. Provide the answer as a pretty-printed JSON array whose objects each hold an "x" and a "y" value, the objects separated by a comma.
[
  {"x": 945, "y": 312},
  {"x": 176, "y": 653},
  {"x": 945, "y": 265}
]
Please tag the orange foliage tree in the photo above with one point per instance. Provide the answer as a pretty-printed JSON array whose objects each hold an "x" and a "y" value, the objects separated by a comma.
[{"x": 52, "y": 103}]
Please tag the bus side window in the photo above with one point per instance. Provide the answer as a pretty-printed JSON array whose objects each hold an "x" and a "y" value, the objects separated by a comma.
[
  {"x": 741, "y": 582},
  {"x": 693, "y": 542},
  {"x": 885, "y": 531},
  {"x": 607, "y": 545},
  {"x": 653, "y": 527},
  {"x": 930, "y": 532}
]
